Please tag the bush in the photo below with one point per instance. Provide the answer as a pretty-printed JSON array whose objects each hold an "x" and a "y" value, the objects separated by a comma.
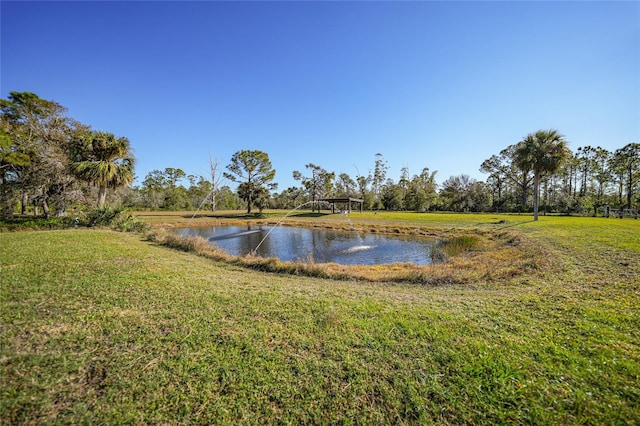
[{"x": 117, "y": 218}]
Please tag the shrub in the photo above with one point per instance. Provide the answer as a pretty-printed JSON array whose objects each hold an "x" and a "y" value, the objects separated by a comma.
[{"x": 117, "y": 218}]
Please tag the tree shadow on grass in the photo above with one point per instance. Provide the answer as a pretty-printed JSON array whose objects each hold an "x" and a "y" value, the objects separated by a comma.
[
  {"x": 514, "y": 224},
  {"x": 310, "y": 215},
  {"x": 250, "y": 216},
  {"x": 225, "y": 216}
]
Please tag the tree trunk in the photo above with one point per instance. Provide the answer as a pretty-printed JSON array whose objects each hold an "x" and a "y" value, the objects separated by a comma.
[
  {"x": 25, "y": 201},
  {"x": 524, "y": 191},
  {"x": 6, "y": 209},
  {"x": 546, "y": 197},
  {"x": 630, "y": 188},
  {"x": 61, "y": 208},
  {"x": 45, "y": 208},
  {"x": 536, "y": 195},
  {"x": 102, "y": 196},
  {"x": 620, "y": 189}
]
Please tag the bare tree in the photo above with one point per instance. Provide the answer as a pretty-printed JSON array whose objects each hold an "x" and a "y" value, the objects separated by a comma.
[{"x": 216, "y": 179}]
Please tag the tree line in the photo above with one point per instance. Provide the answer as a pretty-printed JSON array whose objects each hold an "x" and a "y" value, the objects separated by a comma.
[
  {"x": 48, "y": 159},
  {"x": 538, "y": 173},
  {"x": 541, "y": 170}
]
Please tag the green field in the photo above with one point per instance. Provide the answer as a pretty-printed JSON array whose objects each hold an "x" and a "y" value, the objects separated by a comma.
[{"x": 102, "y": 327}]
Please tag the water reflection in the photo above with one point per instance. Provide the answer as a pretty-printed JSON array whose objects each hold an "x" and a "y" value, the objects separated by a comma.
[{"x": 302, "y": 244}]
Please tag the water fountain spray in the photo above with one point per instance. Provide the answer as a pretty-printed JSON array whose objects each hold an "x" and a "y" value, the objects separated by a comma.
[
  {"x": 253, "y": 252},
  {"x": 182, "y": 234}
]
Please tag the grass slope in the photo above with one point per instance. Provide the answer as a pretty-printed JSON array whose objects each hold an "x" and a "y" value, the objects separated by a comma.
[{"x": 103, "y": 327}]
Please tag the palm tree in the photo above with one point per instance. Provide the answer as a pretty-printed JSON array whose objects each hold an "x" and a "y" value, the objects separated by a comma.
[
  {"x": 105, "y": 161},
  {"x": 542, "y": 152}
]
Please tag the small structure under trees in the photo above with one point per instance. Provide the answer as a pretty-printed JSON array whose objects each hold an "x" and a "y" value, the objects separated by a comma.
[{"x": 346, "y": 201}]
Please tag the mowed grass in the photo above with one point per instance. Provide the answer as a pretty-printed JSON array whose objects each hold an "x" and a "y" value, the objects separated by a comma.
[{"x": 104, "y": 327}]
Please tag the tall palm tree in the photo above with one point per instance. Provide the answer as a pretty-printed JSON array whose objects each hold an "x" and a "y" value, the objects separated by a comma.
[
  {"x": 542, "y": 152},
  {"x": 105, "y": 161}
]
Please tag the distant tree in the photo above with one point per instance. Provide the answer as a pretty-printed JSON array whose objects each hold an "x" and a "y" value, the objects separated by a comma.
[
  {"x": 163, "y": 189},
  {"x": 345, "y": 186},
  {"x": 479, "y": 196},
  {"x": 626, "y": 163},
  {"x": 456, "y": 194},
  {"x": 422, "y": 195},
  {"x": 252, "y": 169},
  {"x": 103, "y": 160},
  {"x": 378, "y": 178},
  {"x": 318, "y": 185},
  {"x": 585, "y": 158},
  {"x": 392, "y": 196},
  {"x": 542, "y": 152},
  {"x": 289, "y": 198},
  {"x": 153, "y": 189},
  {"x": 216, "y": 178},
  {"x": 602, "y": 175},
  {"x": 571, "y": 168},
  {"x": 262, "y": 199},
  {"x": 363, "y": 191},
  {"x": 521, "y": 178},
  {"x": 172, "y": 176},
  {"x": 591, "y": 167},
  {"x": 403, "y": 185},
  {"x": 176, "y": 195},
  {"x": 199, "y": 192},
  {"x": 226, "y": 199},
  {"x": 498, "y": 170}
]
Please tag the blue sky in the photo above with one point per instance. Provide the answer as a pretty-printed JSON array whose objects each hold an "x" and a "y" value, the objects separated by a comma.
[{"x": 442, "y": 85}]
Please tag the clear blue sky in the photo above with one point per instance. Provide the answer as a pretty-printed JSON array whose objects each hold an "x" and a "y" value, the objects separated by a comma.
[{"x": 442, "y": 85}]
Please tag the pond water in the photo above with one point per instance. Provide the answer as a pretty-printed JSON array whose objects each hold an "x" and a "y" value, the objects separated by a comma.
[{"x": 322, "y": 246}]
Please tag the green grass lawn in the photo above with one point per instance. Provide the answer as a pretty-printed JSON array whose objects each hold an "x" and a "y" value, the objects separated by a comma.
[{"x": 107, "y": 328}]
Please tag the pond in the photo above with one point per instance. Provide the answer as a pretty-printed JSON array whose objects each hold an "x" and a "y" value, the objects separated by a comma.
[{"x": 317, "y": 245}]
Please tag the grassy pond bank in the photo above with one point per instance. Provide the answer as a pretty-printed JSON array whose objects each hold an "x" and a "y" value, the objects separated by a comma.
[{"x": 534, "y": 323}]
